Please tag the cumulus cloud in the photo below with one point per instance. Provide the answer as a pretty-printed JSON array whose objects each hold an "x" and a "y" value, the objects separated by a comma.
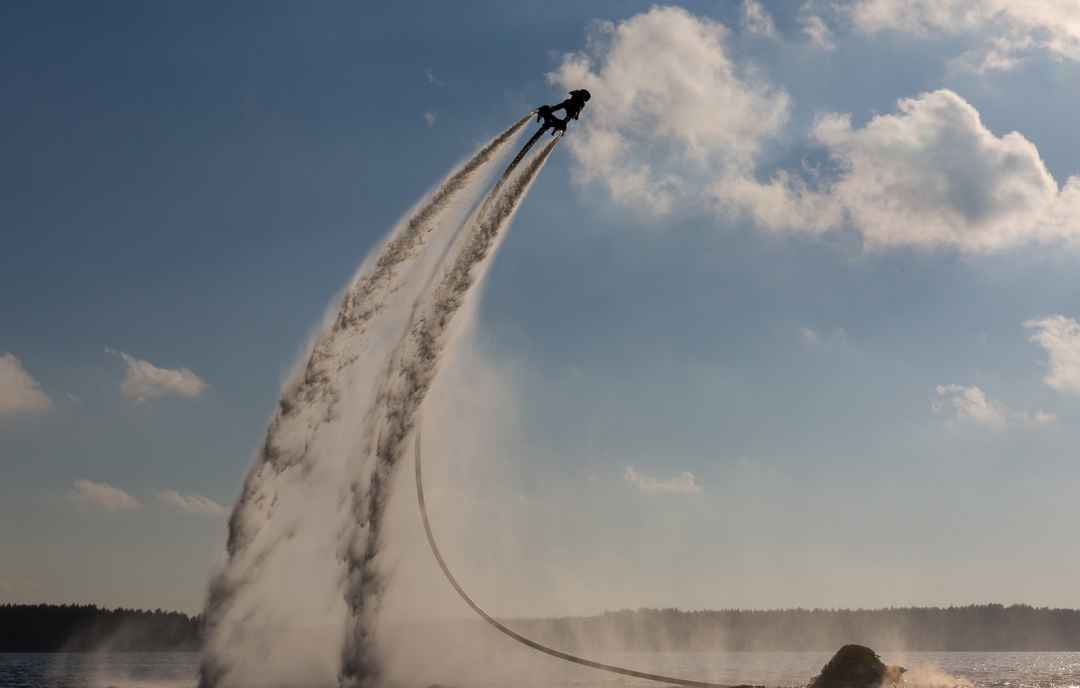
[
  {"x": 19, "y": 392},
  {"x": 1005, "y": 31},
  {"x": 970, "y": 404},
  {"x": 1060, "y": 337},
  {"x": 684, "y": 483},
  {"x": 757, "y": 19},
  {"x": 681, "y": 125},
  {"x": 931, "y": 175},
  {"x": 429, "y": 119},
  {"x": 191, "y": 503},
  {"x": 143, "y": 380},
  {"x": 673, "y": 111},
  {"x": 103, "y": 496}
]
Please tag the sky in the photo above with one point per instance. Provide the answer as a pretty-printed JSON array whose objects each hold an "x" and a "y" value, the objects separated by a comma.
[{"x": 790, "y": 319}]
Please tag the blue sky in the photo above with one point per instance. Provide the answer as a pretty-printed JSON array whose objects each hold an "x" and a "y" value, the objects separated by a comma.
[{"x": 850, "y": 319}]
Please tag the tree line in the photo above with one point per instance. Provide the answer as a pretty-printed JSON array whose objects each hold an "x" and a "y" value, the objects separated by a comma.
[
  {"x": 81, "y": 628},
  {"x": 986, "y": 627}
]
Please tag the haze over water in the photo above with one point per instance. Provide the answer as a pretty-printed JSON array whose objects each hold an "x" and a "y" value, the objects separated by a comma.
[{"x": 167, "y": 670}]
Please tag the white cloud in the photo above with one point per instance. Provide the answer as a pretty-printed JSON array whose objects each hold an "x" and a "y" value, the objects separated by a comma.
[
  {"x": 817, "y": 31},
  {"x": 19, "y": 392},
  {"x": 104, "y": 496},
  {"x": 192, "y": 503},
  {"x": 684, "y": 483},
  {"x": 143, "y": 380},
  {"x": 757, "y": 19},
  {"x": 970, "y": 404},
  {"x": 931, "y": 175},
  {"x": 429, "y": 119},
  {"x": 676, "y": 123},
  {"x": 670, "y": 112},
  {"x": 920, "y": 17},
  {"x": 1060, "y": 336},
  {"x": 1005, "y": 31},
  {"x": 431, "y": 79}
]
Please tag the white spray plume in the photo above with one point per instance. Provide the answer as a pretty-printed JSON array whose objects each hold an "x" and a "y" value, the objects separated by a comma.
[{"x": 295, "y": 603}]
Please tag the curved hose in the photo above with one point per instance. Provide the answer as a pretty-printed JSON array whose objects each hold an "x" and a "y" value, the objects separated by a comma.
[{"x": 514, "y": 634}]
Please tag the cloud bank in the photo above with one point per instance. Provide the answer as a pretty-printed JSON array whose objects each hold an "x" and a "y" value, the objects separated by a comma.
[
  {"x": 19, "y": 392},
  {"x": 103, "y": 496},
  {"x": 681, "y": 126},
  {"x": 144, "y": 381},
  {"x": 929, "y": 176},
  {"x": 684, "y": 483}
]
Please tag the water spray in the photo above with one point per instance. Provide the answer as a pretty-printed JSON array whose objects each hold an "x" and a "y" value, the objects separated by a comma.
[
  {"x": 511, "y": 633},
  {"x": 279, "y": 611}
]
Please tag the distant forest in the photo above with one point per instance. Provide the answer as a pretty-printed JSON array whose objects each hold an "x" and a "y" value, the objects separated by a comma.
[
  {"x": 80, "y": 628},
  {"x": 77, "y": 628},
  {"x": 973, "y": 628}
]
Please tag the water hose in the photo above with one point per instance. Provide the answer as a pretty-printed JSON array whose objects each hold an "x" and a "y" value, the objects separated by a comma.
[{"x": 528, "y": 642}]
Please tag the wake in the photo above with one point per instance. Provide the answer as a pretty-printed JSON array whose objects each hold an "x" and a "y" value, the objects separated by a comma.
[{"x": 296, "y": 601}]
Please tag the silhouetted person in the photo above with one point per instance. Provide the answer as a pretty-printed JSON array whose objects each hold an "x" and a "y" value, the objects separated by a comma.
[{"x": 573, "y": 105}]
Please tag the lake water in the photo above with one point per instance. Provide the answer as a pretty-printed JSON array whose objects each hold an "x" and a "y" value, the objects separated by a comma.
[{"x": 929, "y": 669}]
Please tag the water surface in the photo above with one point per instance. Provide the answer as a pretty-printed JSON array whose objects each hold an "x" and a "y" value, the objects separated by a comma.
[{"x": 934, "y": 669}]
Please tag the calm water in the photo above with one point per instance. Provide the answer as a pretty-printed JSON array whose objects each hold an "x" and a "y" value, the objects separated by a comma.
[{"x": 930, "y": 669}]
